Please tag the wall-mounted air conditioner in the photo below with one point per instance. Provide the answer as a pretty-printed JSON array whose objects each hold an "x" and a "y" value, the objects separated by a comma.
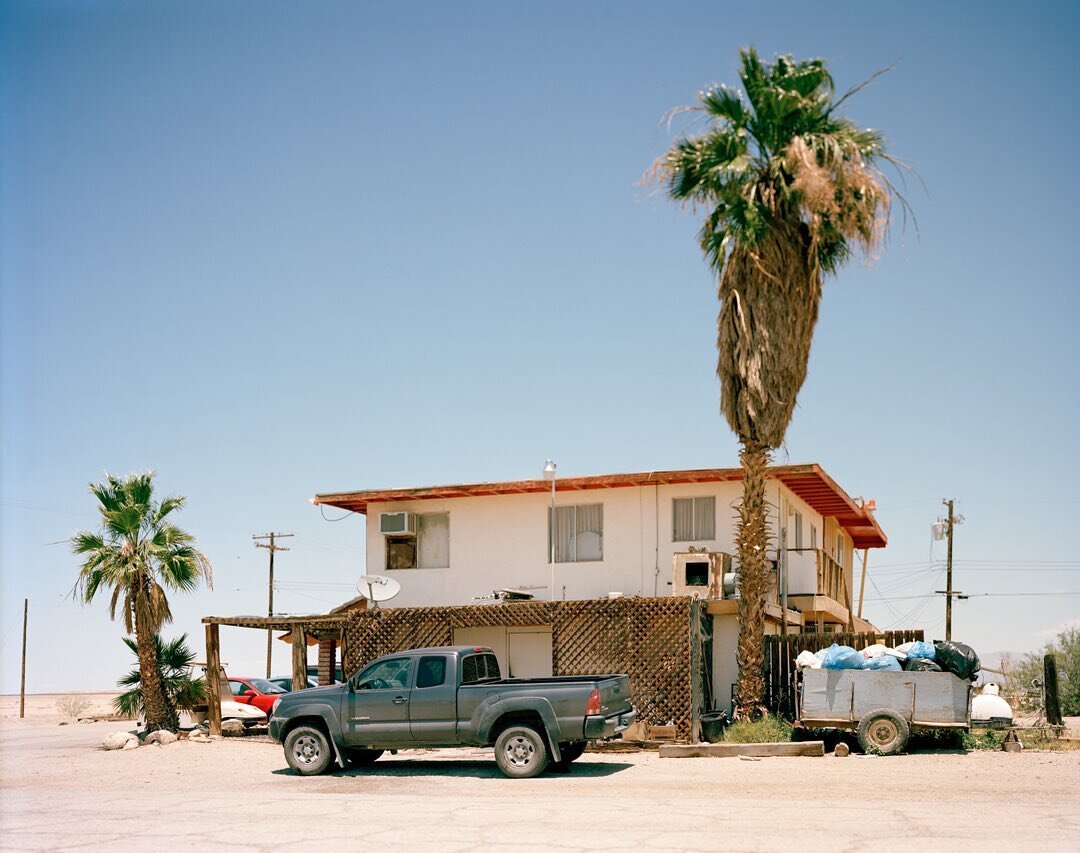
[
  {"x": 701, "y": 574},
  {"x": 397, "y": 523}
]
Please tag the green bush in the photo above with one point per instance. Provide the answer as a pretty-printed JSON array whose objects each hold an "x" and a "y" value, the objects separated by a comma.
[{"x": 766, "y": 730}]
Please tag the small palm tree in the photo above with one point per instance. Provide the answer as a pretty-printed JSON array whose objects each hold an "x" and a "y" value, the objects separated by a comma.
[
  {"x": 174, "y": 661},
  {"x": 138, "y": 553},
  {"x": 789, "y": 189}
]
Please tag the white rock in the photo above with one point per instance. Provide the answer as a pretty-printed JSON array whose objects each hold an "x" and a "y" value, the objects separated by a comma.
[
  {"x": 232, "y": 727},
  {"x": 132, "y": 744},
  {"x": 161, "y": 737},
  {"x": 119, "y": 740}
]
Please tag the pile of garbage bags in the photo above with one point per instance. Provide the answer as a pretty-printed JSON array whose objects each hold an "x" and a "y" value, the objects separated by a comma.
[{"x": 957, "y": 658}]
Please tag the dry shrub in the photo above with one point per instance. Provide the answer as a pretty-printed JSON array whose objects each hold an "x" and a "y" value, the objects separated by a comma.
[{"x": 72, "y": 706}]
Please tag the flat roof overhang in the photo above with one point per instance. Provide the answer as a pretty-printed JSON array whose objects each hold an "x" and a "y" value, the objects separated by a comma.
[{"x": 809, "y": 482}]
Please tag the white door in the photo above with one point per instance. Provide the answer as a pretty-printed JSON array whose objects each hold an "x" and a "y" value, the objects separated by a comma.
[{"x": 529, "y": 651}]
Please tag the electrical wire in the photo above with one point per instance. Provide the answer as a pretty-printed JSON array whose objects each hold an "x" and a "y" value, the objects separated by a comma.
[{"x": 322, "y": 512}]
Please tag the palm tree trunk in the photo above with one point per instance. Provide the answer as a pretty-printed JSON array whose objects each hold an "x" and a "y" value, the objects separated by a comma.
[
  {"x": 751, "y": 540},
  {"x": 159, "y": 714}
]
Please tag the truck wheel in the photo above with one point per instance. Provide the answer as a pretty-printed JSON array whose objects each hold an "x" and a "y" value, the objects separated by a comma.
[
  {"x": 308, "y": 751},
  {"x": 883, "y": 732},
  {"x": 521, "y": 753},
  {"x": 361, "y": 757}
]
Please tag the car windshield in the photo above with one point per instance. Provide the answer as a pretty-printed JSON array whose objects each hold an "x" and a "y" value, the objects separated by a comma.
[{"x": 264, "y": 686}]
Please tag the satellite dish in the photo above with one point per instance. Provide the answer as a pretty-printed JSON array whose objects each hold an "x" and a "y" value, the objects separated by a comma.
[{"x": 376, "y": 588}]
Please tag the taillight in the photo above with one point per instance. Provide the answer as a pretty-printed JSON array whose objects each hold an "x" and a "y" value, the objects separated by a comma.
[{"x": 593, "y": 705}]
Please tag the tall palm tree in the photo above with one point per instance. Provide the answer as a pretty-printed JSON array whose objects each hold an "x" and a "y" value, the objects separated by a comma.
[
  {"x": 138, "y": 553},
  {"x": 790, "y": 189}
]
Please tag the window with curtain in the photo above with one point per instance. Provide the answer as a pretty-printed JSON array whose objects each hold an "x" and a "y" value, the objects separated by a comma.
[
  {"x": 693, "y": 519},
  {"x": 798, "y": 531},
  {"x": 433, "y": 540},
  {"x": 578, "y": 533}
]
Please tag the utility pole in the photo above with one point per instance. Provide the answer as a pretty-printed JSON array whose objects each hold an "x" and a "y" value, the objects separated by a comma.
[
  {"x": 22, "y": 683},
  {"x": 949, "y": 593},
  {"x": 270, "y": 608}
]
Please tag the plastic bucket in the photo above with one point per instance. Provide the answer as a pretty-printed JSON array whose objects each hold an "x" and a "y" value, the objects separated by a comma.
[{"x": 713, "y": 724}]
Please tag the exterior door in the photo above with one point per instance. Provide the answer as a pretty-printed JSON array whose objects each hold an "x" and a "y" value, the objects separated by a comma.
[
  {"x": 433, "y": 709},
  {"x": 377, "y": 704},
  {"x": 529, "y": 652}
]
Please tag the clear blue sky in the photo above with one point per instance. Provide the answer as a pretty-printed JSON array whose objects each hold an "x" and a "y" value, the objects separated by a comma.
[{"x": 270, "y": 249}]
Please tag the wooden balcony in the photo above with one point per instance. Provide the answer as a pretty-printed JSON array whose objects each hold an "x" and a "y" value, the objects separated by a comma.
[{"x": 831, "y": 601}]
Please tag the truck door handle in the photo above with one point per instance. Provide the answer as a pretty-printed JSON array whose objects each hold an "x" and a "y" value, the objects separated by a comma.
[{"x": 400, "y": 700}]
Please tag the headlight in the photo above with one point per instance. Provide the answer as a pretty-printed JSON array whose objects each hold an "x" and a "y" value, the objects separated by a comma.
[{"x": 273, "y": 707}]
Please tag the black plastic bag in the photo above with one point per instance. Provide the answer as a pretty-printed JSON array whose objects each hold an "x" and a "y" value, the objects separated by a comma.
[
  {"x": 921, "y": 665},
  {"x": 957, "y": 658}
]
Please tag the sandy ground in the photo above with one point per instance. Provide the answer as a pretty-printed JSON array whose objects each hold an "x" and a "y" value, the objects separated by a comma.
[{"x": 58, "y": 789}]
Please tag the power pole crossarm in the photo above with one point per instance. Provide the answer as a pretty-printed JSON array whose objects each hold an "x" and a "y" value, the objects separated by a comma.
[{"x": 272, "y": 546}]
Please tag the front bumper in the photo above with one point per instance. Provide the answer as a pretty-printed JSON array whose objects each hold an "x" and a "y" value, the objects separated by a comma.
[
  {"x": 275, "y": 728},
  {"x": 604, "y": 728}
]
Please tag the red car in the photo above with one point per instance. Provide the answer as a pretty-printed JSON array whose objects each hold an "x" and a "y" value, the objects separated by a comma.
[{"x": 255, "y": 691}]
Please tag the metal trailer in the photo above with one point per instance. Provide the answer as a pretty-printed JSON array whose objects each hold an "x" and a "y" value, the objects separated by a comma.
[{"x": 882, "y": 706}]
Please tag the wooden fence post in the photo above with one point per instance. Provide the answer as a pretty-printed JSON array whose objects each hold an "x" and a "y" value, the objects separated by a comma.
[{"x": 213, "y": 679}]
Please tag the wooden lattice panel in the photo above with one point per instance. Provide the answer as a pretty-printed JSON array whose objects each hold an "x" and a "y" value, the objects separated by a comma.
[{"x": 652, "y": 640}]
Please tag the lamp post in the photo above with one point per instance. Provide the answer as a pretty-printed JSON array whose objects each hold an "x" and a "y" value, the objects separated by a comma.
[{"x": 549, "y": 474}]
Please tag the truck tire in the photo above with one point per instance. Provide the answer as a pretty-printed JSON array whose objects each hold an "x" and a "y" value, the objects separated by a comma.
[
  {"x": 361, "y": 757},
  {"x": 308, "y": 751},
  {"x": 883, "y": 732},
  {"x": 521, "y": 752}
]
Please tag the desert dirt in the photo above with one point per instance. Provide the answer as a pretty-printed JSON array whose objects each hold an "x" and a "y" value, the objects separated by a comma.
[{"x": 59, "y": 789}]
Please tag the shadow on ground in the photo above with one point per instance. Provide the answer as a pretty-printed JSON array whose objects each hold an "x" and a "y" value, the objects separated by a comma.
[{"x": 478, "y": 769}]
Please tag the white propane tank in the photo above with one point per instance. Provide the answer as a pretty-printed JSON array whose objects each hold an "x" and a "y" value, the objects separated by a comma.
[{"x": 989, "y": 709}]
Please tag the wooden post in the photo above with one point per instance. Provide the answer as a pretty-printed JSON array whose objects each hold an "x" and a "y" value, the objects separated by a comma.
[
  {"x": 862, "y": 583},
  {"x": 22, "y": 682},
  {"x": 1050, "y": 691},
  {"x": 299, "y": 657},
  {"x": 213, "y": 679}
]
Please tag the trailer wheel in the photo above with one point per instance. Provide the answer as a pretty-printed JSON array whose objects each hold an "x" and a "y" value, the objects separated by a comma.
[{"x": 883, "y": 732}]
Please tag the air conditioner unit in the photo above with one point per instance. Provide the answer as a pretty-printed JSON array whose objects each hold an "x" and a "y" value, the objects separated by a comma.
[
  {"x": 397, "y": 523},
  {"x": 700, "y": 574}
]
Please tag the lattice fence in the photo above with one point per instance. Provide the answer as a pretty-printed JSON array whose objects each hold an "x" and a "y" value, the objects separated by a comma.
[{"x": 658, "y": 642}]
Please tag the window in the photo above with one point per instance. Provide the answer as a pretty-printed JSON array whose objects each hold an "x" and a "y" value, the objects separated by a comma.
[
  {"x": 798, "y": 531},
  {"x": 432, "y": 672},
  {"x": 693, "y": 519},
  {"x": 840, "y": 549},
  {"x": 813, "y": 537},
  {"x": 383, "y": 676},
  {"x": 579, "y": 533},
  {"x": 481, "y": 667},
  {"x": 429, "y": 549}
]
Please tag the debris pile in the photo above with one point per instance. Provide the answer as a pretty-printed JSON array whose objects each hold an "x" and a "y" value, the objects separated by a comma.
[{"x": 957, "y": 658}]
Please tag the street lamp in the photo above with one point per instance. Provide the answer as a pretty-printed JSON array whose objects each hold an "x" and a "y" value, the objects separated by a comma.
[{"x": 549, "y": 474}]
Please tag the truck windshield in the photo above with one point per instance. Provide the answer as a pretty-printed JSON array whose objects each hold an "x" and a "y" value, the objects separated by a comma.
[{"x": 477, "y": 668}]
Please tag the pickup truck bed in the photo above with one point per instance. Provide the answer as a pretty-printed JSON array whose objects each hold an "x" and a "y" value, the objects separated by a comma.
[{"x": 447, "y": 697}]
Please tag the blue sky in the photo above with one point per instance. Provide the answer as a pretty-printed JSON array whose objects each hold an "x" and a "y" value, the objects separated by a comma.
[{"x": 272, "y": 249}]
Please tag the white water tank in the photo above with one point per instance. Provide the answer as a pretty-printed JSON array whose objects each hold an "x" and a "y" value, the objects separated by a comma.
[{"x": 989, "y": 709}]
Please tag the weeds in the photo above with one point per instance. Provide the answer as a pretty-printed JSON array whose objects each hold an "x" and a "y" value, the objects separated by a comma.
[
  {"x": 72, "y": 706},
  {"x": 766, "y": 730}
]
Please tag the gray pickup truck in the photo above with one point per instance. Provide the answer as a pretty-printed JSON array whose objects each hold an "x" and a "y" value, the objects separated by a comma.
[{"x": 447, "y": 697}]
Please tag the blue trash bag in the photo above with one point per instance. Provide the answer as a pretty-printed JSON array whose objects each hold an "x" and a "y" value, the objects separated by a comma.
[
  {"x": 884, "y": 662},
  {"x": 842, "y": 657},
  {"x": 922, "y": 650}
]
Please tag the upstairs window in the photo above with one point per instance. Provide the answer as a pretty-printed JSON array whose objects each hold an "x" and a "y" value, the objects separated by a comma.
[
  {"x": 428, "y": 549},
  {"x": 578, "y": 533},
  {"x": 798, "y": 531},
  {"x": 693, "y": 519}
]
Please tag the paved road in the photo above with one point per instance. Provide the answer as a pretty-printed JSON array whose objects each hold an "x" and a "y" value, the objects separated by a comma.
[{"x": 58, "y": 790}]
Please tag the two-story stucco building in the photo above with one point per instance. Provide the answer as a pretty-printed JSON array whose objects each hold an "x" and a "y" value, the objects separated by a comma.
[{"x": 651, "y": 534}]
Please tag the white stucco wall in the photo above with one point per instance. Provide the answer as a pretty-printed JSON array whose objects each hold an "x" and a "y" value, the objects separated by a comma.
[{"x": 501, "y": 541}]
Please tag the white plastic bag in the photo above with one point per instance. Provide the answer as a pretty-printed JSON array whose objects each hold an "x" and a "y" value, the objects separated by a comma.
[{"x": 808, "y": 660}]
